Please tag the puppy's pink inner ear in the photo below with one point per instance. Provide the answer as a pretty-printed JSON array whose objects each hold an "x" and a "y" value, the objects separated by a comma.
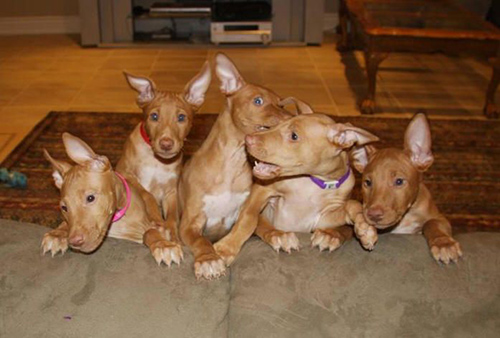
[
  {"x": 144, "y": 86},
  {"x": 339, "y": 137},
  {"x": 100, "y": 164},
  {"x": 420, "y": 157},
  {"x": 60, "y": 169},
  {"x": 58, "y": 179},
  {"x": 76, "y": 149},
  {"x": 195, "y": 90},
  {"x": 346, "y": 136},
  {"x": 230, "y": 78},
  {"x": 418, "y": 142},
  {"x": 345, "y": 139},
  {"x": 359, "y": 158}
]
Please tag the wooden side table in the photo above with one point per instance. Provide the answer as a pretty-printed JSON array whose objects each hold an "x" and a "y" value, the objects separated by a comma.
[{"x": 420, "y": 26}]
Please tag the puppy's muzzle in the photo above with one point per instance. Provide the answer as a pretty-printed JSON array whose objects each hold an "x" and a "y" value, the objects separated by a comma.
[
  {"x": 166, "y": 144},
  {"x": 375, "y": 214},
  {"x": 254, "y": 146},
  {"x": 77, "y": 240}
]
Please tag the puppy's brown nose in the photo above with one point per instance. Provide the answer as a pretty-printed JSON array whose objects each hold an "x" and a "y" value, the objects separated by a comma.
[
  {"x": 166, "y": 144},
  {"x": 76, "y": 240},
  {"x": 375, "y": 213}
]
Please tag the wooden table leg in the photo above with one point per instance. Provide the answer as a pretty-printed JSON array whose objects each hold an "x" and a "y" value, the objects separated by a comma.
[
  {"x": 490, "y": 108},
  {"x": 344, "y": 44},
  {"x": 372, "y": 61}
]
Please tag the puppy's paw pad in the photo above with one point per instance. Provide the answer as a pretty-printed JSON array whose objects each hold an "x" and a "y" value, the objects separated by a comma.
[
  {"x": 167, "y": 252},
  {"x": 285, "y": 241},
  {"x": 54, "y": 244},
  {"x": 446, "y": 249},
  {"x": 325, "y": 240},
  {"x": 209, "y": 267}
]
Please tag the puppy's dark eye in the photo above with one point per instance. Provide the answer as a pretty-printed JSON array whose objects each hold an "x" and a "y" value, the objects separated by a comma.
[
  {"x": 258, "y": 101},
  {"x": 90, "y": 198},
  {"x": 64, "y": 208},
  {"x": 181, "y": 118},
  {"x": 294, "y": 136},
  {"x": 399, "y": 181},
  {"x": 368, "y": 183},
  {"x": 153, "y": 116}
]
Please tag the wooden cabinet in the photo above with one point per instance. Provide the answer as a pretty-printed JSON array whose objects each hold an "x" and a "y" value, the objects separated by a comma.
[{"x": 111, "y": 21}]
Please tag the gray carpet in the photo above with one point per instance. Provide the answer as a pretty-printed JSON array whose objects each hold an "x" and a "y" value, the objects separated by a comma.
[{"x": 395, "y": 291}]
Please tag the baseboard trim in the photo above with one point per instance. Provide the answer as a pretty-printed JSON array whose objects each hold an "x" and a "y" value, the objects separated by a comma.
[
  {"x": 39, "y": 25},
  {"x": 330, "y": 21}
]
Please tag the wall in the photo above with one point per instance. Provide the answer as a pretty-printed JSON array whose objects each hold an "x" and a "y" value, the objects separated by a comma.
[
  {"x": 18, "y": 8},
  {"x": 19, "y": 17}
]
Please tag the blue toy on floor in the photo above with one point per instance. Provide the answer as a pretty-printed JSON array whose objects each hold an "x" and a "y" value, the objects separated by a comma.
[{"x": 13, "y": 179}]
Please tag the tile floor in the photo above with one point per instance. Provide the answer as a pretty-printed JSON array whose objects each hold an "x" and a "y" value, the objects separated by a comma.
[{"x": 52, "y": 72}]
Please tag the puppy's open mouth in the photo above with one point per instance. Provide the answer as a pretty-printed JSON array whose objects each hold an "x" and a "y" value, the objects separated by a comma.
[{"x": 265, "y": 170}]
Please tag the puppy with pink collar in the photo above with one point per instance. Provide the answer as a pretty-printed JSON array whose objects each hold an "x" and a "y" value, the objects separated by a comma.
[{"x": 96, "y": 202}]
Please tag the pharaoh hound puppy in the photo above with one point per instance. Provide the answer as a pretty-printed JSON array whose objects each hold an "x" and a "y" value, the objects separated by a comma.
[
  {"x": 306, "y": 184},
  {"x": 152, "y": 156},
  {"x": 96, "y": 202},
  {"x": 216, "y": 181},
  {"x": 395, "y": 197}
]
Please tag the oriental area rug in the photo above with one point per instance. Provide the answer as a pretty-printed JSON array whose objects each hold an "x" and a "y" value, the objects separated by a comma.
[{"x": 464, "y": 179}]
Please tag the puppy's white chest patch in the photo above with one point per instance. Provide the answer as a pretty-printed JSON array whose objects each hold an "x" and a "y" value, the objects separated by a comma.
[
  {"x": 155, "y": 174},
  {"x": 408, "y": 227},
  {"x": 223, "y": 208}
]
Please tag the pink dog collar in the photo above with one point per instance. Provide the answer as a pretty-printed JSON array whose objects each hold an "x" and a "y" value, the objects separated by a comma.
[
  {"x": 335, "y": 184},
  {"x": 120, "y": 213},
  {"x": 144, "y": 134}
]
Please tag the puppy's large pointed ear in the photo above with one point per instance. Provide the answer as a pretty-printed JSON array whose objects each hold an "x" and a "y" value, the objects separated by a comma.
[
  {"x": 195, "y": 90},
  {"x": 60, "y": 168},
  {"x": 82, "y": 154},
  {"x": 346, "y": 135},
  {"x": 144, "y": 86},
  {"x": 228, "y": 74},
  {"x": 418, "y": 142},
  {"x": 302, "y": 107},
  {"x": 360, "y": 156}
]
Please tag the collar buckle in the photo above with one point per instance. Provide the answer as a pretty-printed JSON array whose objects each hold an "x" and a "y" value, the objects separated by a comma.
[{"x": 332, "y": 184}]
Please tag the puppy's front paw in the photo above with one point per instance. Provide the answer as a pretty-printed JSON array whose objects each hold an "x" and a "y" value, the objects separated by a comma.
[
  {"x": 366, "y": 233},
  {"x": 225, "y": 252},
  {"x": 280, "y": 240},
  {"x": 54, "y": 242},
  {"x": 163, "y": 229},
  {"x": 445, "y": 249},
  {"x": 326, "y": 240},
  {"x": 167, "y": 252},
  {"x": 369, "y": 238},
  {"x": 209, "y": 266}
]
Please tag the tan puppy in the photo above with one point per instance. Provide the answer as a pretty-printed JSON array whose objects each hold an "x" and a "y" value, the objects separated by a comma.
[
  {"x": 152, "y": 156},
  {"x": 395, "y": 197},
  {"x": 95, "y": 202},
  {"x": 217, "y": 179},
  {"x": 308, "y": 182}
]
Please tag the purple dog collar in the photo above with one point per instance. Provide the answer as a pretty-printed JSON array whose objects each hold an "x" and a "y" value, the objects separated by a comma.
[{"x": 335, "y": 184}]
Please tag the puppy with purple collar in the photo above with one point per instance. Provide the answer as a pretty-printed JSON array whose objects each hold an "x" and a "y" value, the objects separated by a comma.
[{"x": 306, "y": 183}]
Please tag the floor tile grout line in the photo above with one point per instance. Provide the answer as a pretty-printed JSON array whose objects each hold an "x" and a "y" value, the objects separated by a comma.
[
  {"x": 323, "y": 81},
  {"x": 94, "y": 74}
]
